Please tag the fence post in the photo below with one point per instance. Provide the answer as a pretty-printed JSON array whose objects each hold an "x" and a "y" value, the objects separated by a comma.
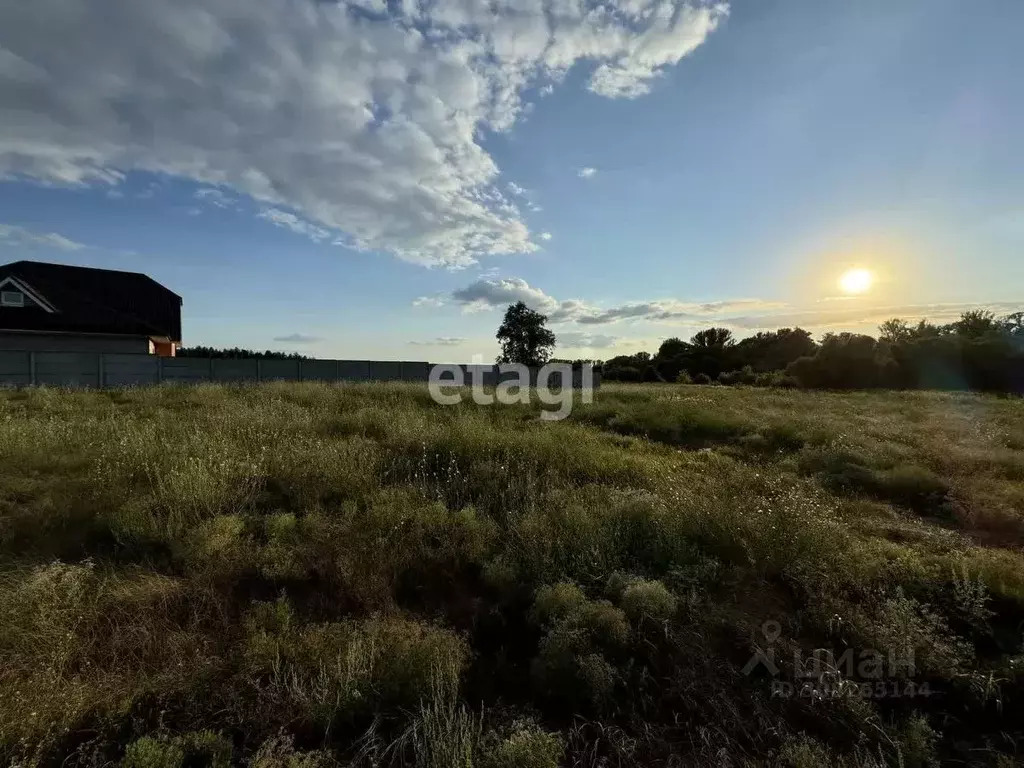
[{"x": 32, "y": 368}]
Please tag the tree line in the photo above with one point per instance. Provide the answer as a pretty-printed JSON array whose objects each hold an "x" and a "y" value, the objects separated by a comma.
[
  {"x": 977, "y": 352},
  {"x": 237, "y": 353}
]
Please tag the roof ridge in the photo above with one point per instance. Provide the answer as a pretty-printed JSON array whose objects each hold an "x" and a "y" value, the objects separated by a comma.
[{"x": 89, "y": 269}]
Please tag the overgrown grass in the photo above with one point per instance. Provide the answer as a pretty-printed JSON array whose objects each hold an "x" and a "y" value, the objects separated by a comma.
[{"x": 307, "y": 575}]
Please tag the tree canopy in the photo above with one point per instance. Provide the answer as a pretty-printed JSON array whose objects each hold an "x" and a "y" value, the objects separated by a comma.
[
  {"x": 238, "y": 353},
  {"x": 978, "y": 351},
  {"x": 525, "y": 337}
]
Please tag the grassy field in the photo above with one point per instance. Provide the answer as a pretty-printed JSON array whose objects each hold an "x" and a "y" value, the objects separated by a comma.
[{"x": 303, "y": 575}]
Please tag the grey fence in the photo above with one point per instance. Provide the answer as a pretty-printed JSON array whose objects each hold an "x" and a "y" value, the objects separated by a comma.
[
  {"x": 90, "y": 369},
  {"x": 107, "y": 369}
]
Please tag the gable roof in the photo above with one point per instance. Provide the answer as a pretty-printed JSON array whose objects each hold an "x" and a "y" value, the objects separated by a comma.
[{"x": 88, "y": 300}]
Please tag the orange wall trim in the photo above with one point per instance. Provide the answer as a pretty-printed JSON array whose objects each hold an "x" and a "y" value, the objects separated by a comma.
[{"x": 164, "y": 348}]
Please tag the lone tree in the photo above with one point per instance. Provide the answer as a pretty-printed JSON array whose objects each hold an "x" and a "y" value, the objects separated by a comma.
[{"x": 524, "y": 336}]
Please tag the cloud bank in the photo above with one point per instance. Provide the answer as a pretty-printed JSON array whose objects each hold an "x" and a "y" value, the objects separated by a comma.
[
  {"x": 587, "y": 340},
  {"x": 358, "y": 117},
  {"x": 441, "y": 341},
  {"x": 485, "y": 294},
  {"x": 19, "y": 236},
  {"x": 740, "y": 314}
]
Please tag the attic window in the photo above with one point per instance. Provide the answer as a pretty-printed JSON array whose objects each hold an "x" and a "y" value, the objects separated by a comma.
[{"x": 12, "y": 299}]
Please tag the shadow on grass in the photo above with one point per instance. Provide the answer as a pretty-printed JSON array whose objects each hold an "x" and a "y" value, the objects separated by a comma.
[{"x": 909, "y": 486}]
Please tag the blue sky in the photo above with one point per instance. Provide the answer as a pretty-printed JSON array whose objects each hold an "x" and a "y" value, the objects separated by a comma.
[{"x": 380, "y": 180}]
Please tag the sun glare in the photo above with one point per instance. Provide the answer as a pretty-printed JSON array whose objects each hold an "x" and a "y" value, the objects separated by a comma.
[{"x": 855, "y": 281}]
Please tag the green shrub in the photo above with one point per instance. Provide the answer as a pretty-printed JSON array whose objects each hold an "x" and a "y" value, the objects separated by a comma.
[
  {"x": 913, "y": 636},
  {"x": 279, "y": 752},
  {"x": 526, "y": 747},
  {"x": 567, "y": 670},
  {"x": 557, "y": 601},
  {"x": 165, "y": 751},
  {"x": 502, "y": 575},
  {"x": 334, "y": 670},
  {"x": 604, "y": 623},
  {"x": 804, "y": 752},
  {"x": 648, "y": 599},
  {"x": 148, "y": 752},
  {"x": 745, "y": 376},
  {"x": 570, "y": 665},
  {"x": 917, "y": 742}
]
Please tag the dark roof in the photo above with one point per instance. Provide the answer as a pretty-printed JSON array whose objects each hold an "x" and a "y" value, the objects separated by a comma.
[{"x": 90, "y": 300}]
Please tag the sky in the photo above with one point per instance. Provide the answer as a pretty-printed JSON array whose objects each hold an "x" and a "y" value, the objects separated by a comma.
[{"x": 381, "y": 178}]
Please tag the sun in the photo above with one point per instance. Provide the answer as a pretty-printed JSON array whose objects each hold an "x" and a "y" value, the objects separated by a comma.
[{"x": 854, "y": 281}]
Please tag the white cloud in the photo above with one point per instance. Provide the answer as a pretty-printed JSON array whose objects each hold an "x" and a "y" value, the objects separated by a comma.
[
  {"x": 545, "y": 235},
  {"x": 671, "y": 309},
  {"x": 547, "y": 90},
  {"x": 492, "y": 294},
  {"x": 430, "y": 301},
  {"x": 19, "y": 236},
  {"x": 295, "y": 224},
  {"x": 215, "y": 196},
  {"x": 441, "y": 341},
  {"x": 587, "y": 340},
  {"x": 361, "y": 119},
  {"x": 515, "y": 189},
  {"x": 486, "y": 294},
  {"x": 586, "y": 173},
  {"x": 297, "y": 338}
]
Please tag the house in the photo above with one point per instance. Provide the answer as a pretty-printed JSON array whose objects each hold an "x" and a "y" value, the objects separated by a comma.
[{"x": 60, "y": 308}]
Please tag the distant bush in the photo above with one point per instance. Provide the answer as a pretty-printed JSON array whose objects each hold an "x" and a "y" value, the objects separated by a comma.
[
  {"x": 744, "y": 376},
  {"x": 775, "y": 379},
  {"x": 702, "y": 378}
]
